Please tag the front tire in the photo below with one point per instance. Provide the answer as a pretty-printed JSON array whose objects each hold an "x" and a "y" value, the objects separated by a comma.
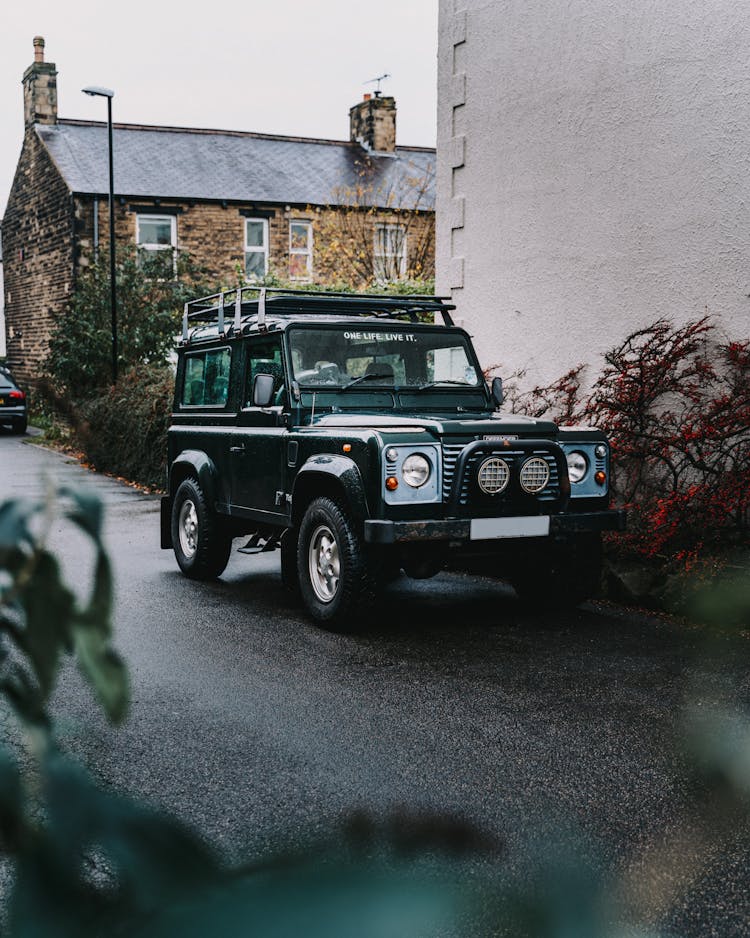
[
  {"x": 201, "y": 545},
  {"x": 336, "y": 576}
]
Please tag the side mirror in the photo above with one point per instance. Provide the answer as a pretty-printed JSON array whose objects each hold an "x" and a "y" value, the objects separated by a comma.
[
  {"x": 263, "y": 390},
  {"x": 497, "y": 391}
]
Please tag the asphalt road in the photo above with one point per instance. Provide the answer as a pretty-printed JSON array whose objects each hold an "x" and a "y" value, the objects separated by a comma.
[{"x": 261, "y": 730}]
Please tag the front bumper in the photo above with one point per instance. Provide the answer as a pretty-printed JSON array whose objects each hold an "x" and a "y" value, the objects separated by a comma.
[{"x": 486, "y": 529}]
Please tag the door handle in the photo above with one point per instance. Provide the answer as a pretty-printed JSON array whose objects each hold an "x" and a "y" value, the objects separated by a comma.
[{"x": 237, "y": 449}]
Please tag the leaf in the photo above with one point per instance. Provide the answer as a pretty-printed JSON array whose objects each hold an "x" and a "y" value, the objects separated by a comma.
[
  {"x": 15, "y": 515},
  {"x": 87, "y": 511},
  {"x": 98, "y": 662},
  {"x": 104, "y": 670},
  {"x": 153, "y": 855},
  {"x": 11, "y": 803},
  {"x": 48, "y": 606},
  {"x": 321, "y": 897}
]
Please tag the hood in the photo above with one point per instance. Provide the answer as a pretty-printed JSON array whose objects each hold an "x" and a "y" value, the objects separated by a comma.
[{"x": 497, "y": 423}]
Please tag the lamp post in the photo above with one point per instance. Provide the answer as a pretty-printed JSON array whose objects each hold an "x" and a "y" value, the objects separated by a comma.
[{"x": 106, "y": 93}]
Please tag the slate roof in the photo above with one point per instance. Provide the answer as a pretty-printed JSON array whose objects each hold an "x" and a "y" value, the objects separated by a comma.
[{"x": 180, "y": 163}]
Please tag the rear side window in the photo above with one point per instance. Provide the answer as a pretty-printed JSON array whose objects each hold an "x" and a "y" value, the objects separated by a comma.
[{"x": 206, "y": 378}]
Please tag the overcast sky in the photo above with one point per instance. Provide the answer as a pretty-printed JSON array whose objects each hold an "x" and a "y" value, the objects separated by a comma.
[{"x": 274, "y": 66}]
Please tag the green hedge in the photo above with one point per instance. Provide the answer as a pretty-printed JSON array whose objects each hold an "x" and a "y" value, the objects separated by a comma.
[{"x": 123, "y": 431}]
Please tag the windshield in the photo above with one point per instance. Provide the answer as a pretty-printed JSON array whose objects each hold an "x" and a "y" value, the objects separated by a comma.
[{"x": 382, "y": 357}]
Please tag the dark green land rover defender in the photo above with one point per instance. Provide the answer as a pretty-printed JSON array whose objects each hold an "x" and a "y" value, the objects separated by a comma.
[{"x": 358, "y": 435}]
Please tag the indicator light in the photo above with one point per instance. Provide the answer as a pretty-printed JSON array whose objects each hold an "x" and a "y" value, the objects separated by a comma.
[
  {"x": 347, "y": 447},
  {"x": 391, "y": 483},
  {"x": 600, "y": 477}
]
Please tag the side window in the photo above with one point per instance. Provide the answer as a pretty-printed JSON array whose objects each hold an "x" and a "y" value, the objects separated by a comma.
[
  {"x": 206, "y": 378},
  {"x": 264, "y": 358}
]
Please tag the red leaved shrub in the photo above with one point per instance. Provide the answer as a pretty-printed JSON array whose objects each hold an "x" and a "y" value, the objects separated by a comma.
[{"x": 675, "y": 403}]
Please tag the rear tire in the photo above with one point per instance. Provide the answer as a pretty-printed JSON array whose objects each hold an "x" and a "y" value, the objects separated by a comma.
[
  {"x": 20, "y": 426},
  {"x": 562, "y": 575},
  {"x": 337, "y": 575},
  {"x": 201, "y": 544}
]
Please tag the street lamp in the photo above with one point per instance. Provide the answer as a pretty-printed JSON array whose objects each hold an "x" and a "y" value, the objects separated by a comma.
[{"x": 97, "y": 92}]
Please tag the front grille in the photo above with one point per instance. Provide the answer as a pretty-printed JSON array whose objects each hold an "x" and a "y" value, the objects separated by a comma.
[{"x": 514, "y": 459}]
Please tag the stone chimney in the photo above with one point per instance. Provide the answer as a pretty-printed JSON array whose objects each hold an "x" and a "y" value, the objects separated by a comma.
[
  {"x": 372, "y": 124},
  {"x": 40, "y": 89}
]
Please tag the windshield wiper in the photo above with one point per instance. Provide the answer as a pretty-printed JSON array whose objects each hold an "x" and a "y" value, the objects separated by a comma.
[
  {"x": 370, "y": 377},
  {"x": 435, "y": 384}
]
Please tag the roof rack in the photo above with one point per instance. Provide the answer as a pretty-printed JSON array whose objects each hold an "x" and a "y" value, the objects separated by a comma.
[{"x": 226, "y": 309}]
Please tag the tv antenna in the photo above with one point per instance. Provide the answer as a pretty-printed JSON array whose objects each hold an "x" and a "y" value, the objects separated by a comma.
[{"x": 376, "y": 81}]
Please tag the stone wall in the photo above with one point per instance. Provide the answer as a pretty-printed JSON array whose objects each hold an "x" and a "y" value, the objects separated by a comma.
[
  {"x": 37, "y": 257},
  {"x": 213, "y": 235}
]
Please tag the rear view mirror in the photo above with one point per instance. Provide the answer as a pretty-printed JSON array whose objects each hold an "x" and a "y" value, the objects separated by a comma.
[
  {"x": 497, "y": 391},
  {"x": 263, "y": 390}
]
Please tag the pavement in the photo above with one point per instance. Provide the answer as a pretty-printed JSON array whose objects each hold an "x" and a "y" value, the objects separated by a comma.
[{"x": 262, "y": 731}]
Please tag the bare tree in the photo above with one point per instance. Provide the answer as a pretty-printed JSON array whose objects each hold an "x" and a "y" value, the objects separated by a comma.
[{"x": 380, "y": 230}]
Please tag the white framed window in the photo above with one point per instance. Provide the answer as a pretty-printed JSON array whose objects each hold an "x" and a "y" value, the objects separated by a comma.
[
  {"x": 155, "y": 234},
  {"x": 256, "y": 248},
  {"x": 300, "y": 250},
  {"x": 390, "y": 252}
]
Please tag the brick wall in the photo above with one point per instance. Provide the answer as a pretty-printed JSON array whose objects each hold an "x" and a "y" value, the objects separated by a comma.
[
  {"x": 214, "y": 236},
  {"x": 37, "y": 257}
]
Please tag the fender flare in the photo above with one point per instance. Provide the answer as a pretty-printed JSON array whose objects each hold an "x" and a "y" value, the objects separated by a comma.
[
  {"x": 344, "y": 471},
  {"x": 199, "y": 465}
]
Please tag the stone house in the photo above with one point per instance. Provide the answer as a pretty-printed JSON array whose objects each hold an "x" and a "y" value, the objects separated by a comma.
[
  {"x": 592, "y": 173},
  {"x": 242, "y": 205}
]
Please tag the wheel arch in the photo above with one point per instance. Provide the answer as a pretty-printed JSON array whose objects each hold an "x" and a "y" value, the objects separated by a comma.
[
  {"x": 198, "y": 465},
  {"x": 335, "y": 477}
]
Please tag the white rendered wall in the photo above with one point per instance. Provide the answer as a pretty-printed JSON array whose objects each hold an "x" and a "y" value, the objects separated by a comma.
[{"x": 593, "y": 172}]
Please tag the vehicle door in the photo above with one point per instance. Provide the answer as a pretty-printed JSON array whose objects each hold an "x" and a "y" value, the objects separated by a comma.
[{"x": 259, "y": 440}]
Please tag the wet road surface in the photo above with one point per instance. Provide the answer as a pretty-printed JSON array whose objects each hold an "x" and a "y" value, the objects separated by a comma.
[{"x": 261, "y": 730}]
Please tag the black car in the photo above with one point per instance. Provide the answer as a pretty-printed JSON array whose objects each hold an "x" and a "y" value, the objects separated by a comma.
[
  {"x": 12, "y": 403},
  {"x": 359, "y": 436}
]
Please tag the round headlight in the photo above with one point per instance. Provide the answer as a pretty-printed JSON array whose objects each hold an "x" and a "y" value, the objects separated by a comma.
[
  {"x": 416, "y": 470},
  {"x": 578, "y": 466},
  {"x": 534, "y": 475}
]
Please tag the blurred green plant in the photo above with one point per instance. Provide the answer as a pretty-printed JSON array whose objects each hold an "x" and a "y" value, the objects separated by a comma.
[{"x": 40, "y": 617}]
